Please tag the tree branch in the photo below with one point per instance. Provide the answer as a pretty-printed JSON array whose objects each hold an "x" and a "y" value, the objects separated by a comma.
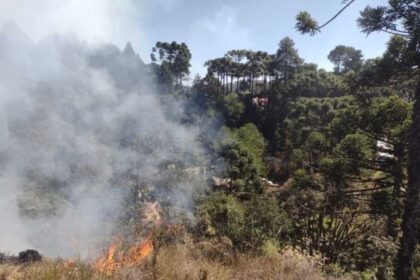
[
  {"x": 395, "y": 32},
  {"x": 337, "y": 14}
]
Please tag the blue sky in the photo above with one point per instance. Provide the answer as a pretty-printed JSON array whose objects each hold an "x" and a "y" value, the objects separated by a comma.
[
  {"x": 209, "y": 27},
  {"x": 212, "y": 27}
]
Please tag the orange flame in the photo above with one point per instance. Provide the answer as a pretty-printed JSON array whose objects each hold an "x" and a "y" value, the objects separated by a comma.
[
  {"x": 108, "y": 264},
  {"x": 116, "y": 257},
  {"x": 137, "y": 254},
  {"x": 70, "y": 264}
]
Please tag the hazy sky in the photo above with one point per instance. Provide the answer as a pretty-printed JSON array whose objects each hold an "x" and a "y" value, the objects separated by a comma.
[{"x": 209, "y": 27}]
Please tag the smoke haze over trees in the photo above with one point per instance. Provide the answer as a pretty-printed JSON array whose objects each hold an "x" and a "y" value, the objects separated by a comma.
[
  {"x": 265, "y": 154},
  {"x": 81, "y": 126}
]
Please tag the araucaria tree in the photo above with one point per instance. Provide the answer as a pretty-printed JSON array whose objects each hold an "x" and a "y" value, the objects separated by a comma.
[
  {"x": 400, "y": 18},
  {"x": 345, "y": 59},
  {"x": 173, "y": 57}
]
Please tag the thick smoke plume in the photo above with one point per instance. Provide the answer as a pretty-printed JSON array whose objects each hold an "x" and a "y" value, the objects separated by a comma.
[{"x": 81, "y": 127}]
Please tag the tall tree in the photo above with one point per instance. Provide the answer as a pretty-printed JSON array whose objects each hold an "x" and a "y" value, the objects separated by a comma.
[
  {"x": 257, "y": 67},
  {"x": 402, "y": 18},
  {"x": 237, "y": 57},
  {"x": 222, "y": 68},
  {"x": 213, "y": 68},
  {"x": 287, "y": 60},
  {"x": 176, "y": 57},
  {"x": 345, "y": 59}
]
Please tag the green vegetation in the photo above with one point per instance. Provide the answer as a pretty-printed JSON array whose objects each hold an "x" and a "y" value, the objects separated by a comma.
[
  {"x": 402, "y": 59},
  {"x": 337, "y": 143},
  {"x": 251, "y": 141},
  {"x": 325, "y": 165}
]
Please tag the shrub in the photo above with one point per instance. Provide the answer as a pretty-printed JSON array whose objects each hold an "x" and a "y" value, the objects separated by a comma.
[
  {"x": 264, "y": 220},
  {"x": 221, "y": 214}
]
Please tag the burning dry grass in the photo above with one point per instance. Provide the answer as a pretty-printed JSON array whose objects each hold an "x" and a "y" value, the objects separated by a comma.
[
  {"x": 116, "y": 258},
  {"x": 172, "y": 263}
]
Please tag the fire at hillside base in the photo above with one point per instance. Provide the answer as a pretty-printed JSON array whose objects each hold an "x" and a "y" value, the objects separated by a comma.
[
  {"x": 119, "y": 254},
  {"x": 117, "y": 258}
]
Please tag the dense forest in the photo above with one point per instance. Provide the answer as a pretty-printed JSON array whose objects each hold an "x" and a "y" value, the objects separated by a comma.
[
  {"x": 315, "y": 159},
  {"x": 293, "y": 158}
]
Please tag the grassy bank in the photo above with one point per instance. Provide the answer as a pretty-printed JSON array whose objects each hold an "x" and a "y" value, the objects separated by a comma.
[{"x": 178, "y": 262}]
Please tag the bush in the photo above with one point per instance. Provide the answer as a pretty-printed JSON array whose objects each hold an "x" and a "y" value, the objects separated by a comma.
[
  {"x": 301, "y": 179},
  {"x": 241, "y": 170},
  {"x": 264, "y": 220},
  {"x": 233, "y": 108},
  {"x": 221, "y": 214},
  {"x": 249, "y": 139},
  {"x": 270, "y": 248}
]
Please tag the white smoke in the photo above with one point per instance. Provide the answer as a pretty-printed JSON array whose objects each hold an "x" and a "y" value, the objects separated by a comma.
[
  {"x": 79, "y": 126},
  {"x": 115, "y": 21}
]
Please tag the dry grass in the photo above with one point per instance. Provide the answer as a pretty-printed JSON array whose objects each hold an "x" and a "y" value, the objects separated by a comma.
[{"x": 178, "y": 263}]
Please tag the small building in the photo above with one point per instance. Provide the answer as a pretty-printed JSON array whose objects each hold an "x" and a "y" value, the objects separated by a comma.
[{"x": 260, "y": 101}]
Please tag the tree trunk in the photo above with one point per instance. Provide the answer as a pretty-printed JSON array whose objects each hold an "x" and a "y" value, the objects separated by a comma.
[
  {"x": 237, "y": 84},
  {"x": 223, "y": 83},
  {"x": 398, "y": 174},
  {"x": 412, "y": 204},
  {"x": 251, "y": 78},
  {"x": 265, "y": 82}
]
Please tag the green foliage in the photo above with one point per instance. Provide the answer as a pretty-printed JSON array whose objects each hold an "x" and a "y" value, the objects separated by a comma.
[
  {"x": 301, "y": 179},
  {"x": 356, "y": 150},
  {"x": 322, "y": 116},
  {"x": 346, "y": 59},
  {"x": 344, "y": 122},
  {"x": 306, "y": 24},
  {"x": 316, "y": 143},
  {"x": 373, "y": 19},
  {"x": 206, "y": 97},
  {"x": 396, "y": 57},
  {"x": 286, "y": 60},
  {"x": 243, "y": 174},
  {"x": 376, "y": 252},
  {"x": 335, "y": 172},
  {"x": 275, "y": 125},
  {"x": 249, "y": 139},
  {"x": 330, "y": 151},
  {"x": 248, "y": 224},
  {"x": 389, "y": 118},
  {"x": 297, "y": 159},
  {"x": 232, "y": 108},
  {"x": 270, "y": 248},
  {"x": 310, "y": 81},
  {"x": 221, "y": 214},
  {"x": 174, "y": 60},
  {"x": 345, "y": 190},
  {"x": 264, "y": 221}
]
